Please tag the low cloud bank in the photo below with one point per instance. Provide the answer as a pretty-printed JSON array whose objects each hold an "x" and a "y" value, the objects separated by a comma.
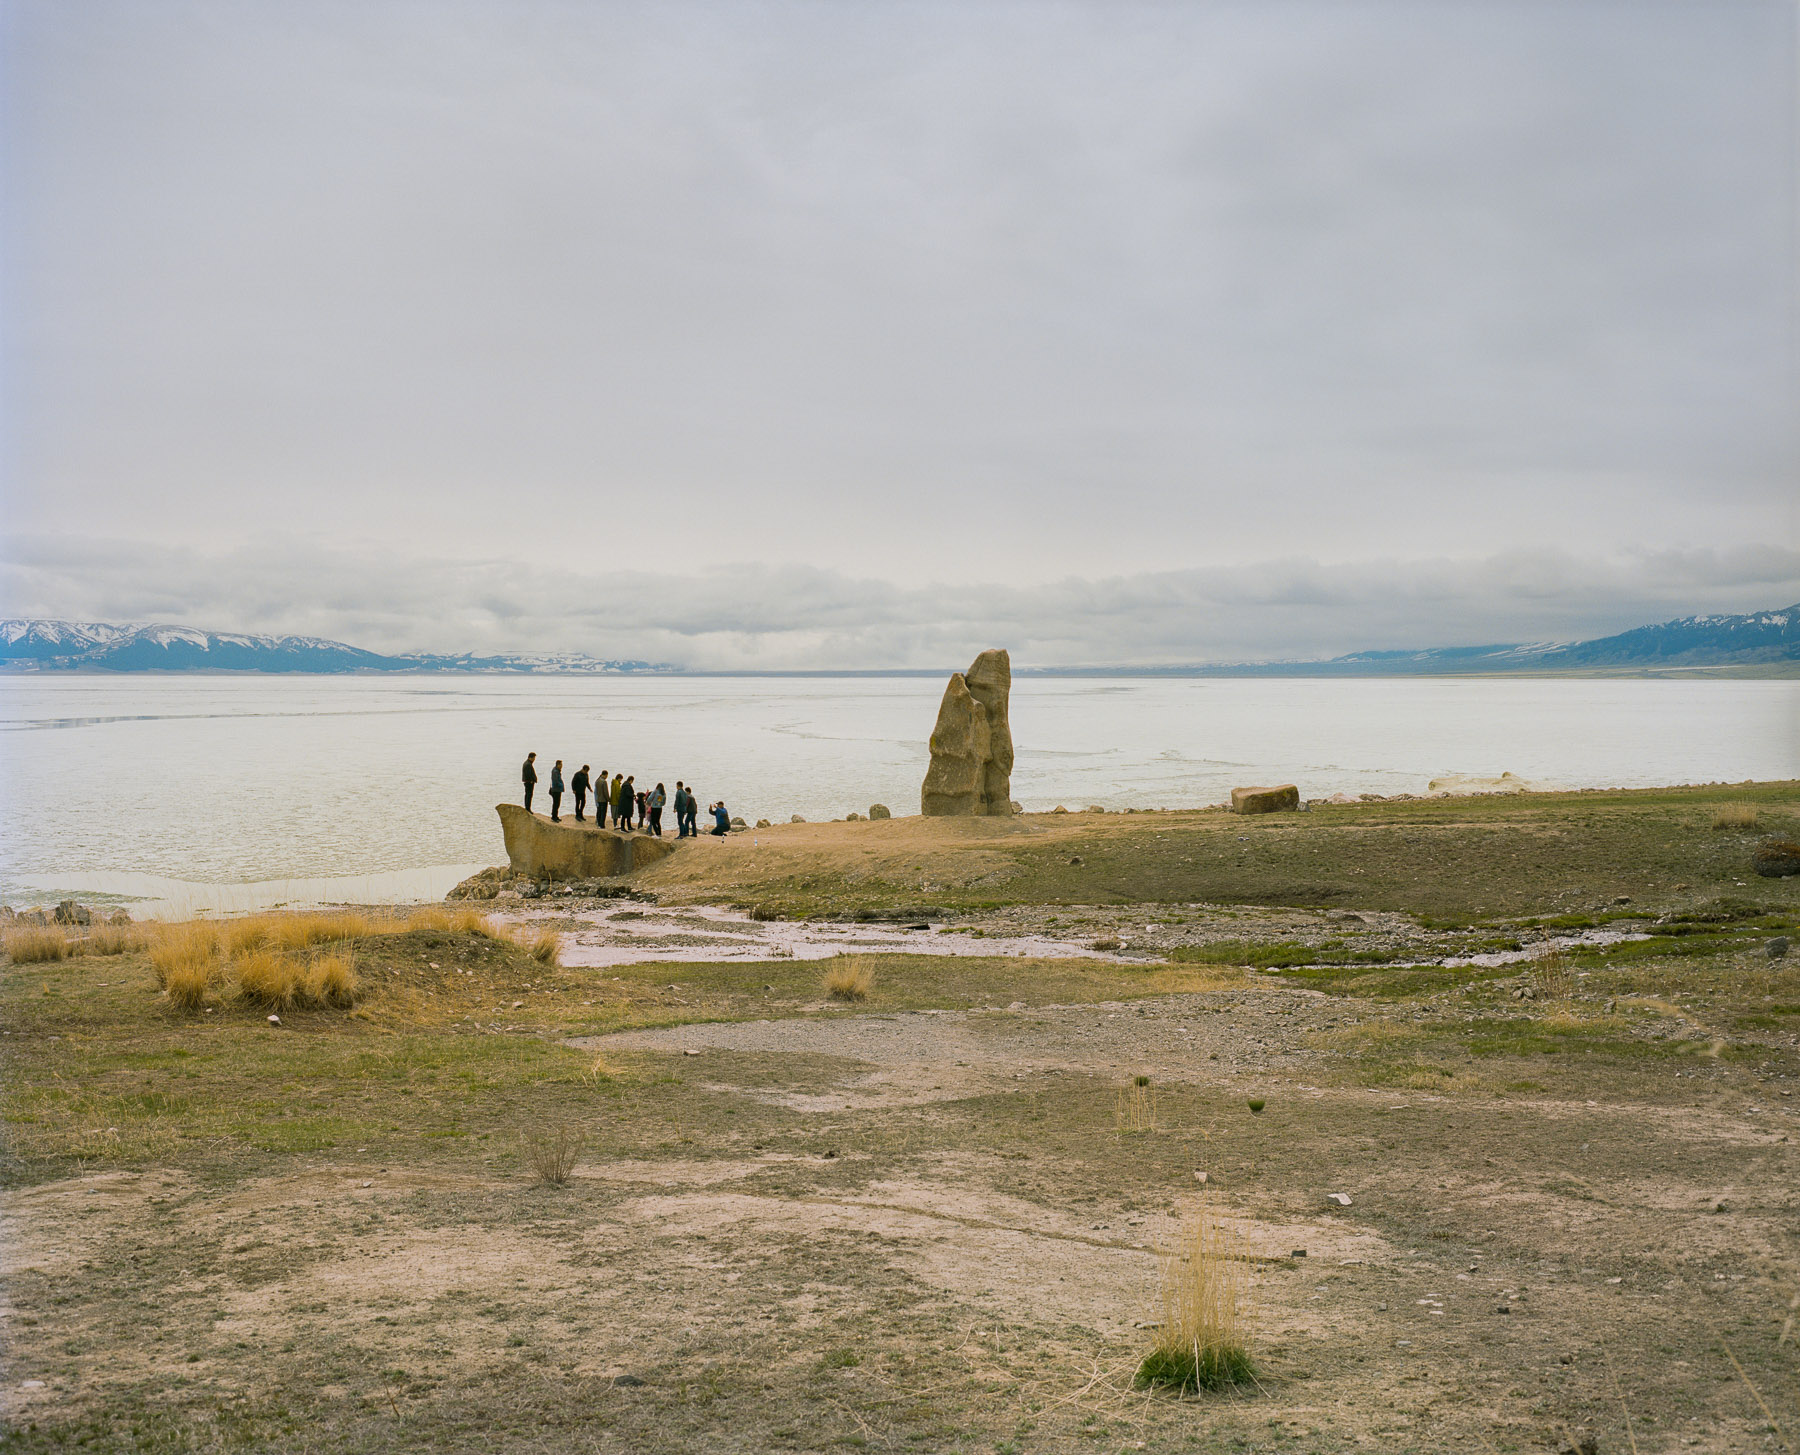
[{"x": 798, "y": 617}]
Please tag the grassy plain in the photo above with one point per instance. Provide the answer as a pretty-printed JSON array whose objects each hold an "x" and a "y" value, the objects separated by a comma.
[{"x": 919, "y": 1221}]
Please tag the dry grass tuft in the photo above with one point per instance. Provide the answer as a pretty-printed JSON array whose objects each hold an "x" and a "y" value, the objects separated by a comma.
[
  {"x": 600, "y": 1072},
  {"x": 1200, "y": 1342},
  {"x": 114, "y": 940},
  {"x": 1736, "y": 816},
  {"x": 849, "y": 977},
  {"x": 463, "y": 921},
  {"x": 186, "y": 960},
  {"x": 552, "y": 1152},
  {"x": 545, "y": 946},
  {"x": 1550, "y": 977},
  {"x": 331, "y": 980},
  {"x": 1135, "y": 1110},
  {"x": 34, "y": 946},
  {"x": 268, "y": 978}
]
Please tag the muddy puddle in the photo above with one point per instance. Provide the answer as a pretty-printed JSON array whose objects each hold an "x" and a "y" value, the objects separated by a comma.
[{"x": 630, "y": 935}]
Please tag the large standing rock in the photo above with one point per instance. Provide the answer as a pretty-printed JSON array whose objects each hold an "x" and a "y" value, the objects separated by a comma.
[
  {"x": 538, "y": 848},
  {"x": 971, "y": 746}
]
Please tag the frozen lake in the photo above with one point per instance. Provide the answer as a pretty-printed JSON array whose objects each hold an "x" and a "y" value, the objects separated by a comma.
[{"x": 192, "y": 788}]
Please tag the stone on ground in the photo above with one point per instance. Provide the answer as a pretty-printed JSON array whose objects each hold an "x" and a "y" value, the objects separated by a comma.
[{"x": 1278, "y": 799}]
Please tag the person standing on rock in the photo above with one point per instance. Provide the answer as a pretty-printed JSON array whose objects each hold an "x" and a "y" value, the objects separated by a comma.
[
  {"x": 602, "y": 798},
  {"x": 556, "y": 791},
  {"x": 529, "y": 774},
  {"x": 578, "y": 785},
  {"x": 625, "y": 803},
  {"x": 681, "y": 809},
  {"x": 658, "y": 797}
]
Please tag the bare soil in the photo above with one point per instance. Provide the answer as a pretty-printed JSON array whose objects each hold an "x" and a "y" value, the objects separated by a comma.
[{"x": 917, "y": 1223}]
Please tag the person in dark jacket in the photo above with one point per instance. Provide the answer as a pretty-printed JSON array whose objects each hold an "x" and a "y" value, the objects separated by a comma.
[
  {"x": 681, "y": 809},
  {"x": 721, "y": 820},
  {"x": 625, "y": 802},
  {"x": 578, "y": 785},
  {"x": 556, "y": 791},
  {"x": 529, "y": 775},
  {"x": 602, "y": 798},
  {"x": 658, "y": 797}
]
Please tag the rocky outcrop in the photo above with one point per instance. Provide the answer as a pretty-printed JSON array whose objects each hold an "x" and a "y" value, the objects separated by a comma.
[
  {"x": 540, "y": 849},
  {"x": 1265, "y": 800},
  {"x": 1776, "y": 858},
  {"x": 971, "y": 746},
  {"x": 879, "y": 810}
]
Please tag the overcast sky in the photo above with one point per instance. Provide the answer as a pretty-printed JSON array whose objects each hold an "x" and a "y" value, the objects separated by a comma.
[{"x": 870, "y": 334}]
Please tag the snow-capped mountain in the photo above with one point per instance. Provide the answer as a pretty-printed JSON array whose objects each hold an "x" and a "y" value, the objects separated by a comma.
[{"x": 27, "y": 645}]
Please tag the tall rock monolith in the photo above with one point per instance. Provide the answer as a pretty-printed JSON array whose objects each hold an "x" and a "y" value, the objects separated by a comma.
[{"x": 971, "y": 746}]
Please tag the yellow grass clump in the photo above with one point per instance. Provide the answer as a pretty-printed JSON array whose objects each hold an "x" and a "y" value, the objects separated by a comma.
[
  {"x": 1550, "y": 977},
  {"x": 849, "y": 977},
  {"x": 186, "y": 960},
  {"x": 544, "y": 946},
  {"x": 1735, "y": 816},
  {"x": 1200, "y": 1340},
  {"x": 114, "y": 940},
  {"x": 465, "y": 921},
  {"x": 1135, "y": 1109},
  {"x": 34, "y": 946},
  {"x": 280, "y": 981},
  {"x": 552, "y": 1151}
]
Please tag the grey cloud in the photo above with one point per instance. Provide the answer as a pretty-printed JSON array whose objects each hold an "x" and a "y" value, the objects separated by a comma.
[
  {"x": 998, "y": 292},
  {"x": 782, "y": 617}
]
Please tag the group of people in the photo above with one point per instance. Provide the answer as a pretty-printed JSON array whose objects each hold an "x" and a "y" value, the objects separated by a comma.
[{"x": 619, "y": 796}]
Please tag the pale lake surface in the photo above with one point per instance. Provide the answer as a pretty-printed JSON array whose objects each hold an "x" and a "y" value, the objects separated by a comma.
[{"x": 173, "y": 792}]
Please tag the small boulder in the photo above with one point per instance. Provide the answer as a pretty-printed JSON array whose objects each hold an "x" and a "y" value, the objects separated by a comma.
[
  {"x": 1776, "y": 858},
  {"x": 1281, "y": 798},
  {"x": 68, "y": 912},
  {"x": 796, "y": 819},
  {"x": 119, "y": 917},
  {"x": 763, "y": 823},
  {"x": 853, "y": 818},
  {"x": 1059, "y": 809},
  {"x": 738, "y": 823},
  {"x": 1095, "y": 808},
  {"x": 878, "y": 810},
  {"x": 1777, "y": 948}
]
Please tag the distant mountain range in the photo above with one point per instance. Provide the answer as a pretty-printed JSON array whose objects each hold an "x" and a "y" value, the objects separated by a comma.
[
  {"x": 1766, "y": 639},
  {"x": 48, "y": 646}
]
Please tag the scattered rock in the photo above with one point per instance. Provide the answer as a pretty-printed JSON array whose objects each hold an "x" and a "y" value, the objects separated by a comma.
[
  {"x": 796, "y": 819},
  {"x": 626, "y": 1381},
  {"x": 1059, "y": 809},
  {"x": 853, "y": 818},
  {"x": 68, "y": 912},
  {"x": 1094, "y": 808},
  {"x": 274, "y": 1020},
  {"x": 1776, "y": 858},
  {"x": 1199, "y": 1177},
  {"x": 1281, "y": 798},
  {"x": 736, "y": 823},
  {"x": 119, "y": 917},
  {"x": 1776, "y": 948},
  {"x": 971, "y": 746},
  {"x": 879, "y": 810},
  {"x": 763, "y": 823},
  {"x": 1342, "y": 1199}
]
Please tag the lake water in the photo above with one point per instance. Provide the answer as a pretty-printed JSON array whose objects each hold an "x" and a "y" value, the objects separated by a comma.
[{"x": 232, "y": 791}]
